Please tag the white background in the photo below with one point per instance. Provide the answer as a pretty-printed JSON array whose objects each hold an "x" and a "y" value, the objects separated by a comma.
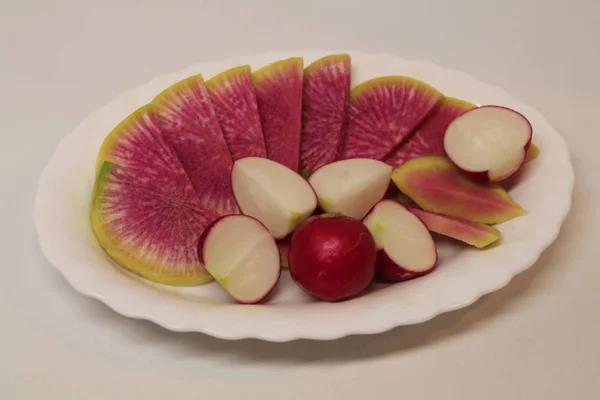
[{"x": 538, "y": 338}]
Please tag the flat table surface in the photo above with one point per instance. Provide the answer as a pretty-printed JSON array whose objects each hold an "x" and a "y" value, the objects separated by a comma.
[{"x": 538, "y": 338}]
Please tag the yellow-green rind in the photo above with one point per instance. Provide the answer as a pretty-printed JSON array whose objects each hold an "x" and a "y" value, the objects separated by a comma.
[
  {"x": 491, "y": 235},
  {"x": 458, "y": 103},
  {"x": 116, "y": 134},
  {"x": 469, "y": 232},
  {"x": 435, "y": 164},
  {"x": 175, "y": 89},
  {"x": 126, "y": 256},
  {"x": 329, "y": 59},
  {"x": 532, "y": 153},
  {"x": 331, "y": 215},
  {"x": 325, "y": 203},
  {"x": 391, "y": 80},
  {"x": 273, "y": 69},
  {"x": 218, "y": 81}
]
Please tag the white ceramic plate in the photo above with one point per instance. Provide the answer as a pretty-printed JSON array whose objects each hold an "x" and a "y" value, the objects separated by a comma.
[{"x": 62, "y": 219}]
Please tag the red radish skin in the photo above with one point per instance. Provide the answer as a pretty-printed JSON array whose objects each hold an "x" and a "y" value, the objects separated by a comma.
[
  {"x": 232, "y": 95},
  {"x": 486, "y": 175},
  {"x": 428, "y": 140},
  {"x": 405, "y": 248},
  {"x": 187, "y": 119},
  {"x": 279, "y": 96},
  {"x": 145, "y": 212},
  {"x": 388, "y": 270},
  {"x": 332, "y": 257},
  {"x": 202, "y": 250},
  {"x": 383, "y": 112},
  {"x": 325, "y": 102}
]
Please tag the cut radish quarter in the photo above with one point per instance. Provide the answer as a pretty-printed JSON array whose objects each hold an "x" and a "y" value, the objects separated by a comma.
[
  {"x": 489, "y": 143},
  {"x": 351, "y": 187},
  {"x": 240, "y": 253},
  {"x": 405, "y": 247},
  {"x": 272, "y": 193}
]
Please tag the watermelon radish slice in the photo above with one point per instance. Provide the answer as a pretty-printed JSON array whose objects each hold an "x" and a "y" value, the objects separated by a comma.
[
  {"x": 383, "y": 112},
  {"x": 428, "y": 140},
  {"x": 145, "y": 212},
  {"x": 186, "y": 117},
  {"x": 325, "y": 103},
  {"x": 233, "y": 98},
  {"x": 279, "y": 96}
]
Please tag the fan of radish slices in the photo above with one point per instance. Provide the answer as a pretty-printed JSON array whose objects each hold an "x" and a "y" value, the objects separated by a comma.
[{"x": 234, "y": 178}]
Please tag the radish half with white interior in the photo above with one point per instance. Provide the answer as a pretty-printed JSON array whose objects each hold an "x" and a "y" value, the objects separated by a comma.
[
  {"x": 240, "y": 253},
  {"x": 272, "y": 193},
  {"x": 405, "y": 247},
  {"x": 351, "y": 187},
  {"x": 489, "y": 143}
]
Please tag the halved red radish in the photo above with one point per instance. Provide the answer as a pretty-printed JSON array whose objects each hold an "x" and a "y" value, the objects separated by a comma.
[
  {"x": 405, "y": 247},
  {"x": 351, "y": 187},
  {"x": 489, "y": 143},
  {"x": 272, "y": 193},
  {"x": 240, "y": 253}
]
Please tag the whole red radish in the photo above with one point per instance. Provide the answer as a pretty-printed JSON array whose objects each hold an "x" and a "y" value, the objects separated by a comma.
[{"x": 332, "y": 257}]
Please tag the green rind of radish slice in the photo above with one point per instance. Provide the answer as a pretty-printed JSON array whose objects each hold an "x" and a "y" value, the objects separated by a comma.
[
  {"x": 428, "y": 139},
  {"x": 279, "y": 96},
  {"x": 145, "y": 213},
  {"x": 232, "y": 95},
  {"x": 136, "y": 143},
  {"x": 325, "y": 103},
  {"x": 186, "y": 117},
  {"x": 532, "y": 153},
  {"x": 383, "y": 112}
]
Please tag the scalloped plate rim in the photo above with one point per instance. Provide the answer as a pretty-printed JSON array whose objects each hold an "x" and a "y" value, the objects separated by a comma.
[{"x": 124, "y": 303}]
